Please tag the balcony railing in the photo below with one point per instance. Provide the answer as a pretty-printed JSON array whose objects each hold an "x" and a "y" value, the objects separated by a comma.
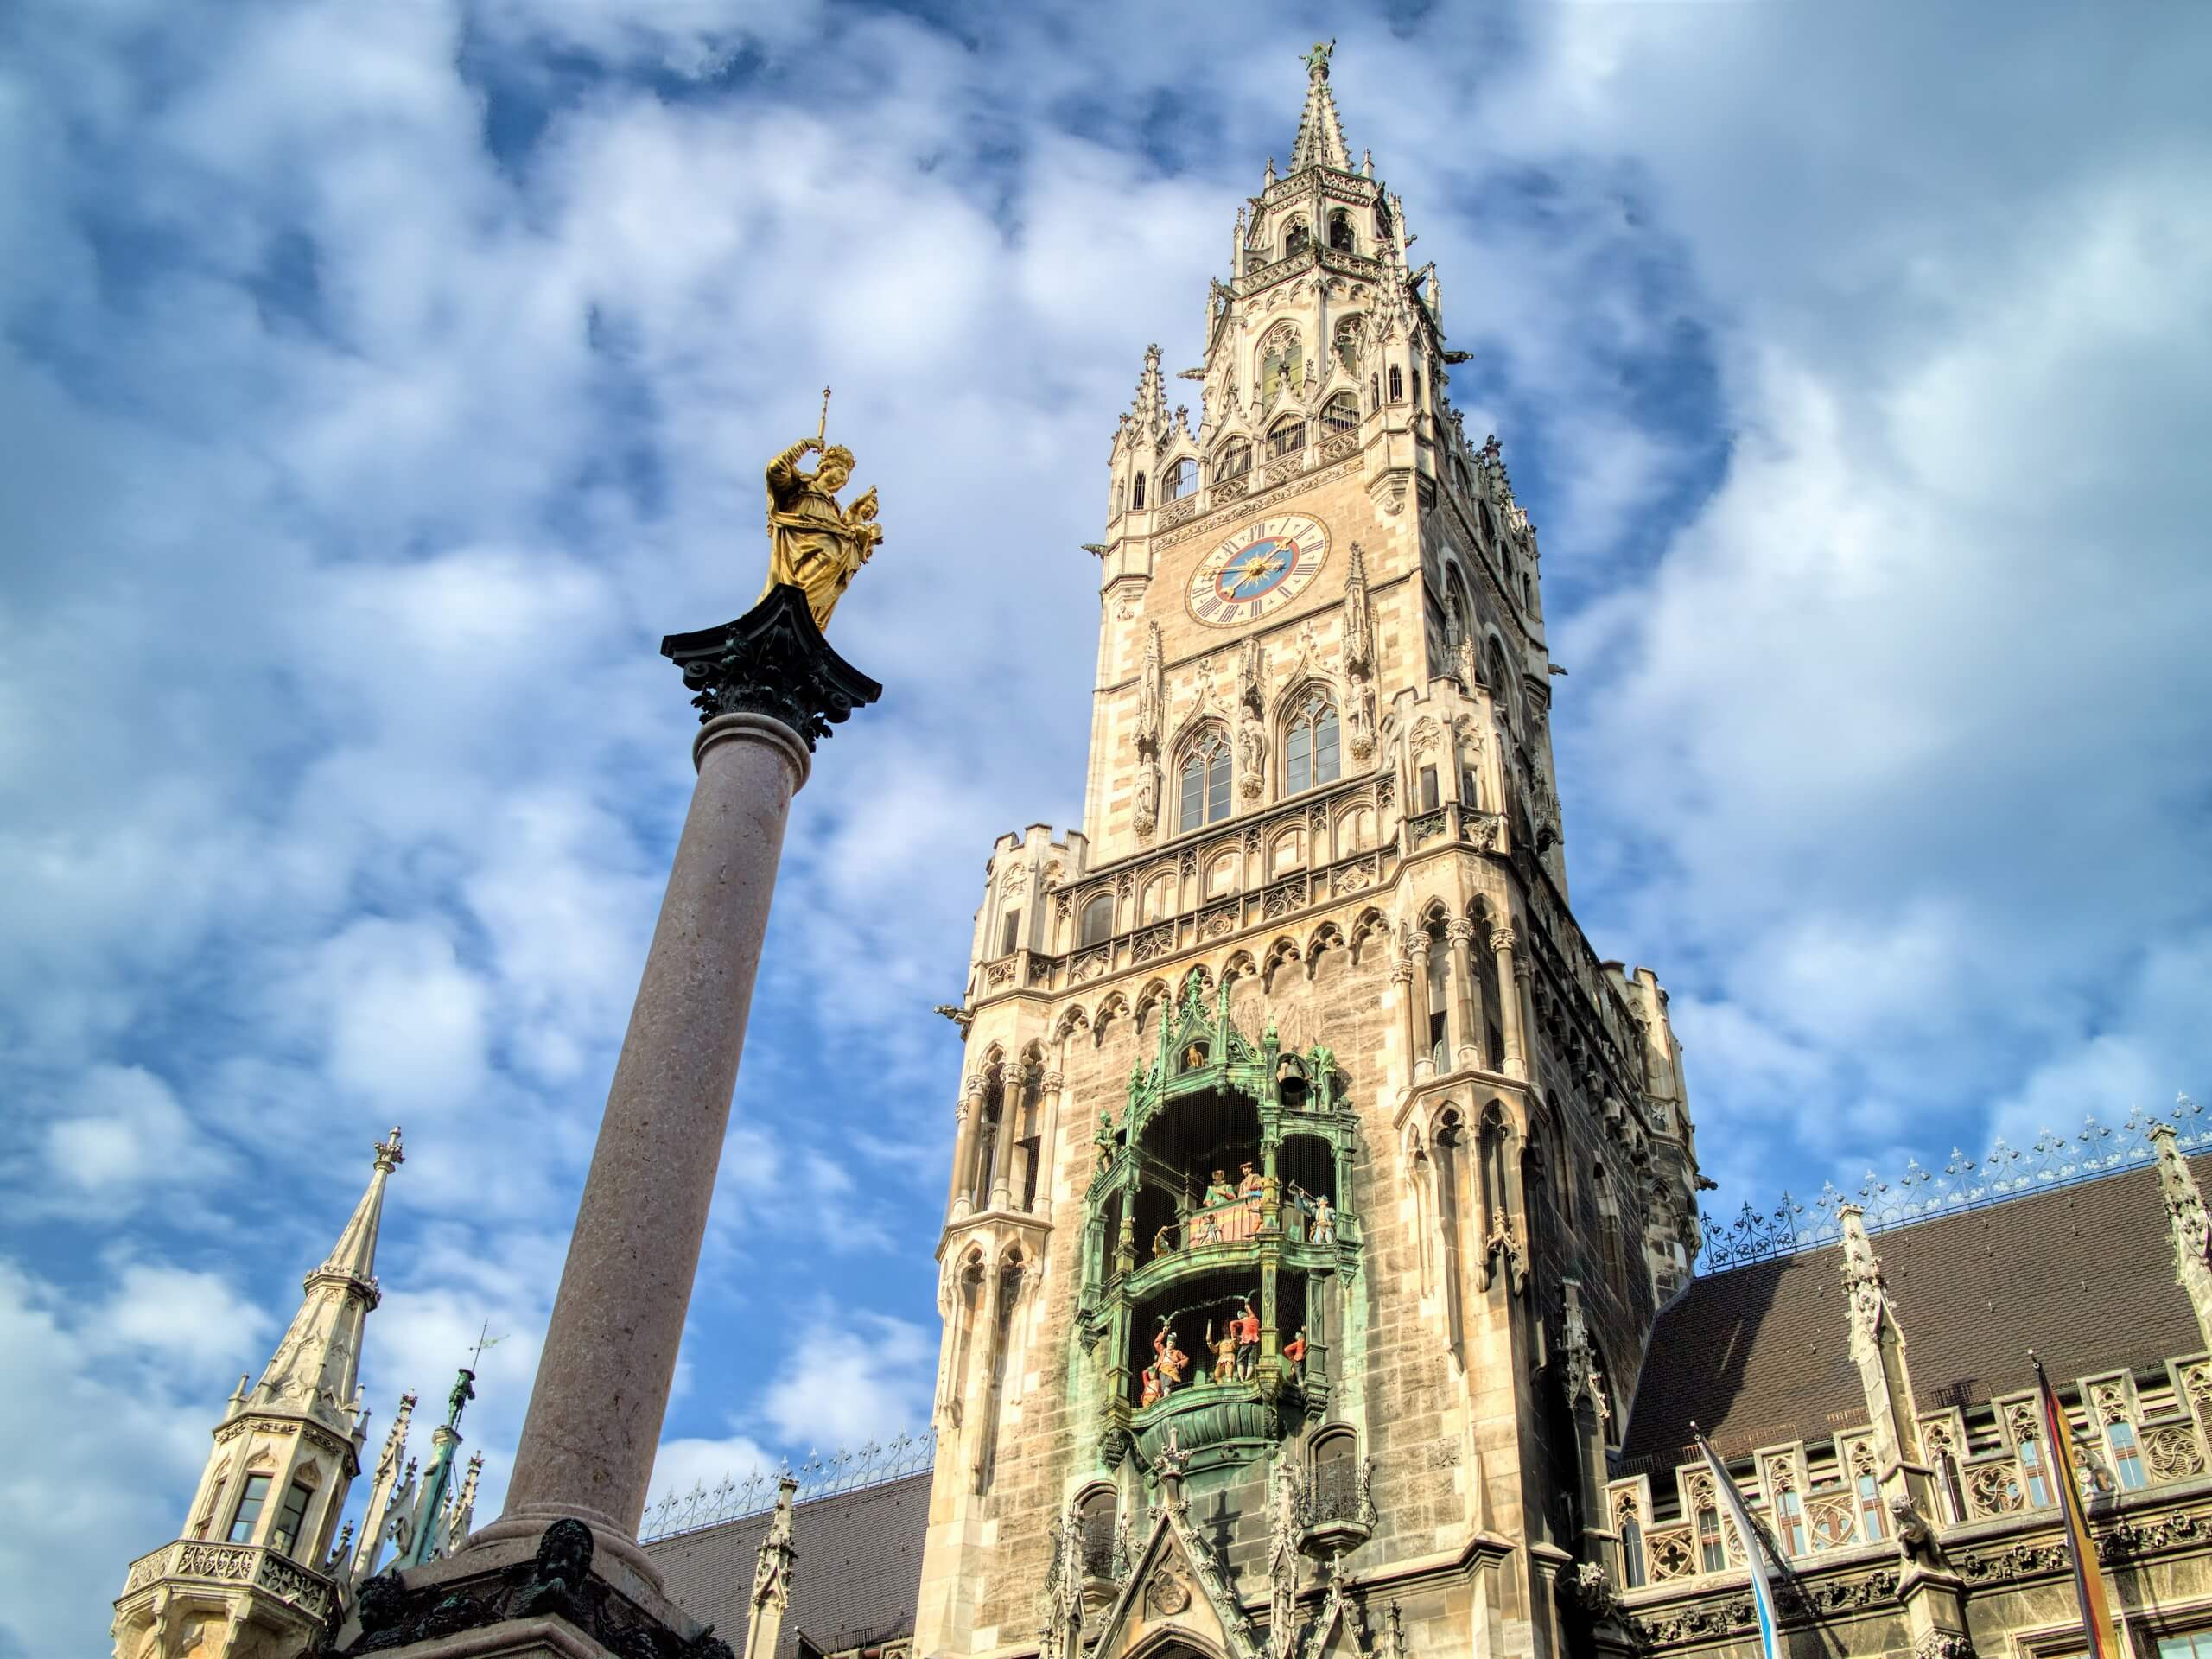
[{"x": 264, "y": 1568}]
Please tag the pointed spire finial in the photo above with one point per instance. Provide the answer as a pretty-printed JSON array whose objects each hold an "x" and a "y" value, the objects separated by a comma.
[
  {"x": 389, "y": 1156},
  {"x": 1320, "y": 141}
]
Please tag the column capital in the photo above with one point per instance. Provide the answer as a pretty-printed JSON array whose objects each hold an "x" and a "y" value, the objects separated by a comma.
[
  {"x": 1502, "y": 938},
  {"x": 773, "y": 662}
]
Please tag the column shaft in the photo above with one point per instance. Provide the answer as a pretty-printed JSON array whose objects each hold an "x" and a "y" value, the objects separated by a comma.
[
  {"x": 1508, "y": 996},
  {"x": 594, "y": 1419}
]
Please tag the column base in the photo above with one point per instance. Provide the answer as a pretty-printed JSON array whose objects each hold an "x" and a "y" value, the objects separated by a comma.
[{"x": 530, "y": 1598}]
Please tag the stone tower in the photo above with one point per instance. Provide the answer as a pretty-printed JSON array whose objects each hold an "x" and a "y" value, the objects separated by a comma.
[
  {"x": 1315, "y": 1183},
  {"x": 255, "y": 1573}
]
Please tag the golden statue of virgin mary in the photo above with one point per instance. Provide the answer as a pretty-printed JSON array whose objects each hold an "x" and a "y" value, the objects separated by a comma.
[{"x": 813, "y": 543}]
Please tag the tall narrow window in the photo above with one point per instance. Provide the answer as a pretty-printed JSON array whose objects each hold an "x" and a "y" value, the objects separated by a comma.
[
  {"x": 1299, "y": 240},
  {"x": 251, "y": 1496},
  {"x": 1416, "y": 385},
  {"x": 1471, "y": 793},
  {"x": 2032, "y": 1470},
  {"x": 1430, "y": 799},
  {"x": 1310, "y": 746},
  {"x": 1340, "y": 413},
  {"x": 1097, "y": 918},
  {"x": 1790, "y": 1517},
  {"x": 1953, "y": 1490},
  {"x": 1205, "y": 783},
  {"x": 1712, "y": 1554},
  {"x": 1870, "y": 1507},
  {"x": 1397, "y": 385},
  {"x": 2126, "y": 1457},
  {"x": 1010, "y": 933},
  {"x": 1632, "y": 1553},
  {"x": 1136, "y": 494},
  {"x": 1095, "y": 1517},
  {"x": 292, "y": 1517},
  {"x": 1440, "y": 1000},
  {"x": 1340, "y": 231}
]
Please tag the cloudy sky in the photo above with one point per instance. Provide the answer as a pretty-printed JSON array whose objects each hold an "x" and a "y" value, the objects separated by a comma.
[{"x": 380, "y": 382}]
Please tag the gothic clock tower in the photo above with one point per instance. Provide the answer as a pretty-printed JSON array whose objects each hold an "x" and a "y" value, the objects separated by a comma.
[{"x": 1315, "y": 1184}]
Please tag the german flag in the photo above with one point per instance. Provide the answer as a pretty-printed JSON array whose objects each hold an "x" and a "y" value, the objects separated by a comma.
[{"x": 2088, "y": 1577}]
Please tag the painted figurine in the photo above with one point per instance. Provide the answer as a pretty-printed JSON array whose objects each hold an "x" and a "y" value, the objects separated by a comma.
[
  {"x": 1248, "y": 1179},
  {"x": 1167, "y": 1359},
  {"x": 1224, "y": 1352},
  {"x": 1246, "y": 1328},
  {"x": 1325, "y": 1220},
  {"x": 1219, "y": 1191},
  {"x": 1163, "y": 1242},
  {"x": 1295, "y": 1352},
  {"x": 1153, "y": 1392}
]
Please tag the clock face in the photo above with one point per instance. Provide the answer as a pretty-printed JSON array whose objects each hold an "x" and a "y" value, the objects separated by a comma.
[{"x": 1259, "y": 569}]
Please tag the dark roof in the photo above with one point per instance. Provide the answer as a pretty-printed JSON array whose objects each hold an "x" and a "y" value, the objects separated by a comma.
[
  {"x": 856, "y": 1579},
  {"x": 2084, "y": 1275}
]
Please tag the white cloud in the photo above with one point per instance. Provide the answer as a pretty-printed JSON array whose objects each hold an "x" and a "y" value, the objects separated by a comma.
[
  {"x": 849, "y": 1377},
  {"x": 121, "y": 1139}
]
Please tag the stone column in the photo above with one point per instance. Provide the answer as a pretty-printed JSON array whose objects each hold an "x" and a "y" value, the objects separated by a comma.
[
  {"x": 1424, "y": 1063},
  {"x": 963, "y": 1146},
  {"x": 1048, "y": 1141},
  {"x": 1501, "y": 944},
  {"x": 1467, "y": 1045},
  {"x": 1401, "y": 977},
  {"x": 767, "y": 686},
  {"x": 2191, "y": 1230},
  {"x": 1001, "y": 1191}
]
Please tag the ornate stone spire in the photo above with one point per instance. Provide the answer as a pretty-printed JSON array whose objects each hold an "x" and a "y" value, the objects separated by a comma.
[
  {"x": 1320, "y": 141},
  {"x": 771, "y": 1575},
  {"x": 1151, "y": 406},
  {"x": 276, "y": 1481},
  {"x": 317, "y": 1366},
  {"x": 2191, "y": 1228},
  {"x": 1358, "y": 624}
]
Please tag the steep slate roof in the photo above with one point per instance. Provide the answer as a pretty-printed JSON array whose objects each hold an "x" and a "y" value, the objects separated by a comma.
[
  {"x": 856, "y": 1580},
  {"x": 2083, "y": 1274}
]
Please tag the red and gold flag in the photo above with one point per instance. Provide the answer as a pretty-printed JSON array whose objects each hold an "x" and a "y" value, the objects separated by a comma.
[{"x": 2089, "y": 1575}]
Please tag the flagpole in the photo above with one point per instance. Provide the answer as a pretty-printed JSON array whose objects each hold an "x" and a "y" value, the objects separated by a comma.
[
  {"x": 2106, "y": 1638},
  {"x": 1755, "y": 1546}
]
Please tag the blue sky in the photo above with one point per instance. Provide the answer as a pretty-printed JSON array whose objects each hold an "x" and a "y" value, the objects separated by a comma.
[{"x": 380, "y": 383}]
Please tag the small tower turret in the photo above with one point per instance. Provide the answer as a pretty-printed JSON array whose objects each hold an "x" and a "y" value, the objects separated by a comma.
[{"x": 248, "y": 1575}]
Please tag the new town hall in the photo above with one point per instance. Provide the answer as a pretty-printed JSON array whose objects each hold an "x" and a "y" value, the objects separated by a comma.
[{"x": 1319, "y": 1267}]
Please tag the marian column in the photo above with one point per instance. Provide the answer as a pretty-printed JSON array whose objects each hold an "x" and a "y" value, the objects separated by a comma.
[{"x": 768, "y": 688}]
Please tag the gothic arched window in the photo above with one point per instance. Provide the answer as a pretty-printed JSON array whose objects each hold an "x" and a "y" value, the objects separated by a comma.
[
  {"x": 1287, "y": 439},
  {"x": 1632, "y": 1554},
  {"x": 1712, "y": 1554},
  {"x": 1309, "y": 745},
  {"x": 1204, "y": 781},
  {"x": 1097, "y": 919},
  {"x": 1340, "y": 413},
  {"x": 1297, "y": 239},
  {"x": 1097, "y": 1511},
  {"x": 1334, "y": 1495},
  {"x": 1340, "y": 231},
  {"x": 1397, "y": 385},
  {"x": 1136, "y": 494},
  {"x": 1233, "y": 462},
  {"x": 1179, "y": 481}
]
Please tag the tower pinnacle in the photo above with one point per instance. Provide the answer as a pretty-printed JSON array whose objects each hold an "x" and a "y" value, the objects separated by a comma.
[{"x": 1320, "y": 141}]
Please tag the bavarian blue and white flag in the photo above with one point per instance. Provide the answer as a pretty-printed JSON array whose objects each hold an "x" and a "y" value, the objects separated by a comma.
[{"x": 1754, "y": 1547}]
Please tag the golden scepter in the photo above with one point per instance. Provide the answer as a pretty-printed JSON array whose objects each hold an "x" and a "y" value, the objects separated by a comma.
[{"x": 821, "y": 432}]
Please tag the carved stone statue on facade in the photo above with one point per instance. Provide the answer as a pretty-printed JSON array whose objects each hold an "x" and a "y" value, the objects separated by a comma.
[
  {"x": 814, "y": 544},
  {"x": 1147, "y": 802},
  {"x": 1148, "y": 694},
  {"x": 1251, "y": 759},
  {"x": 1359, "y": 719}
]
